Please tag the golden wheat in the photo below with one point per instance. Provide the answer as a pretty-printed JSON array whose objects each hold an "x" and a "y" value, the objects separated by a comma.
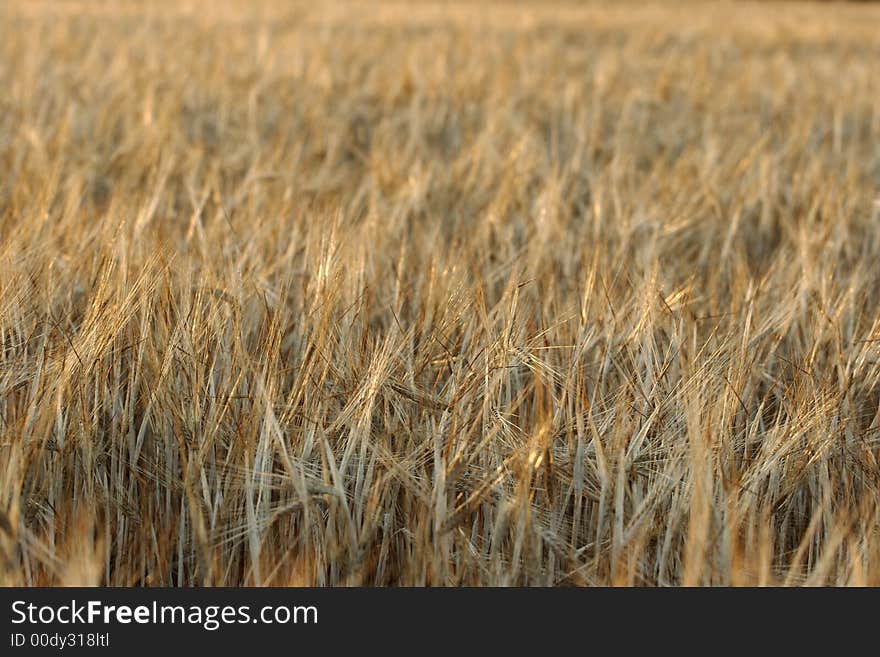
[{"x": 444, "y": 294}]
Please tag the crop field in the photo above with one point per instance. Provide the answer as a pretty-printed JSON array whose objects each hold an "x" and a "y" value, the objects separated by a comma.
[{"x": 439, "y": 293}]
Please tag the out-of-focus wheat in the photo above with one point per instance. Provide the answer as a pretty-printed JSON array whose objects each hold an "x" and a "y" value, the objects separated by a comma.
[{"x": 439, "y": 293}]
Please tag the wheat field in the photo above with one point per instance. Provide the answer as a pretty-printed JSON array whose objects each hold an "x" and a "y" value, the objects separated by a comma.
[{"x": 446, "y": 293}]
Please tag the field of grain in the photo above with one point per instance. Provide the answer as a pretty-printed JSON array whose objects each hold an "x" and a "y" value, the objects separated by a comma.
[{"x": 395, "y": 293}]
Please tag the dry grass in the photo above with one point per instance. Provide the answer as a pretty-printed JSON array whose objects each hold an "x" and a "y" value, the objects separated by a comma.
[{"x": 439, "y": 294}]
